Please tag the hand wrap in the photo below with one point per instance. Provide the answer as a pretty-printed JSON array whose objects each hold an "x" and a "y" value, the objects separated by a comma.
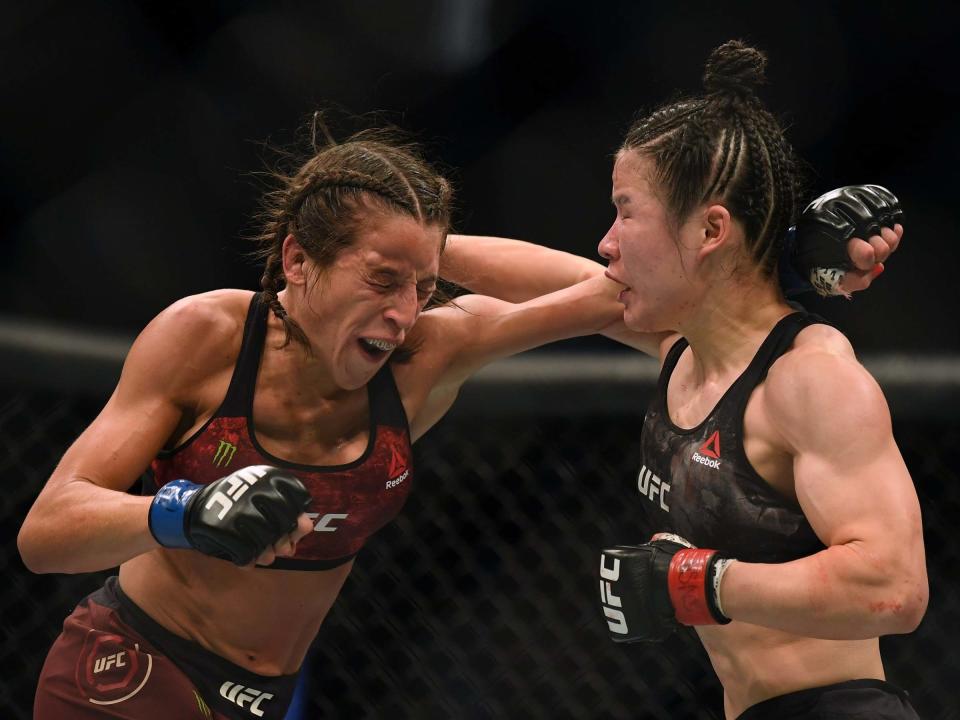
[
  {"x": 647, "y": 590},
  {"x": 234, "y": 518}
]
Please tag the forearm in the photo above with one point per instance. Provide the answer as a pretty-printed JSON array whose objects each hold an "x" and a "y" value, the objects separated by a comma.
[
  {"x": 841, "y": 593},
  {"x": 85, "y": 528},
  {"x": 511, "y": 270}
]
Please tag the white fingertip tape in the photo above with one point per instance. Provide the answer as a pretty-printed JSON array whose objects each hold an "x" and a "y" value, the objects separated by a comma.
[
  {"x": 719, "y": 569},
  {"x": 670, "y": 537},
  {"x": 826, "y": 281}
]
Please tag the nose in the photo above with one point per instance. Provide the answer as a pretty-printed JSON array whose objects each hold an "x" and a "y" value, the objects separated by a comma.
[
  {"x": 609, "y": 247},
  {"x": 404, "y": 308}
]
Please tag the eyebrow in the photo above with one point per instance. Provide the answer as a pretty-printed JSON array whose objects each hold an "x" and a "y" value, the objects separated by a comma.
[
  {"x": 388, "y": 272},
  {"x": 620, "y": 199}
]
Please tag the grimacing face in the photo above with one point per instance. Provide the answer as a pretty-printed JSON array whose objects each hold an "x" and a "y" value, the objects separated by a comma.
[
  {"x": 369, "y": 298},
  {"x": 646, "y": 254}
]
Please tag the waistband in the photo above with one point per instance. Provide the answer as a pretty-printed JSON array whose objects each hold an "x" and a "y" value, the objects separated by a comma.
[
  {"x": 220, "y": 681},
  {"x": 795, "y": 704}
]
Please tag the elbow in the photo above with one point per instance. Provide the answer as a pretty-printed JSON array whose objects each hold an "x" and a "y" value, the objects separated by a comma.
[
  {"x": 903, "y": 610},
  {"x": 31, "y": 559},
  {"x": 33, "y": 551},
  {"x": 915, "y": 607}
]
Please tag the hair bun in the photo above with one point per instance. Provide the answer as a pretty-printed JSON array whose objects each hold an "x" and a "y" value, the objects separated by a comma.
[{"x": 735, "y": 68}]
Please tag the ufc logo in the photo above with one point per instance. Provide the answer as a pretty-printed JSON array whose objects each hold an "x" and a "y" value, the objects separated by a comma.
[
  {"x": 109, "y": 661},
  {"x": 616, "y": 620},
  {"x": 238, "y": 695},
  {"x": 238, "y": 484},
  {"x": 650, "y": 485},
  {"x": 323, "y": 524}
]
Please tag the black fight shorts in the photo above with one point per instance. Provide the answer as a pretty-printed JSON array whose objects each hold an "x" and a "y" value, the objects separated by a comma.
[{"x": 874, "y": 699}]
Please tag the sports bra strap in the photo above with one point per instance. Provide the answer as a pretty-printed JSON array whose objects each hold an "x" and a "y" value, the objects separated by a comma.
[{"x": 240, "y": 393}]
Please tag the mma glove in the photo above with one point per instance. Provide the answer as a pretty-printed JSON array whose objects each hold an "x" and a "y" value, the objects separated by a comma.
[
  {"x": 234, "y": 518},
  {"x": 817, "y": 247},
  {"x": 647, "y": 591}
]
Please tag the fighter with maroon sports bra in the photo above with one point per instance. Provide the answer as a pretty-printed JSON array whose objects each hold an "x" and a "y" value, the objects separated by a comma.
[{"x": 349, "y": 503}]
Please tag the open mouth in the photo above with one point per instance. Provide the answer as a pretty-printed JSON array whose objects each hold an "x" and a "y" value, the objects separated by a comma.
[{"x": 376, "y": 349}]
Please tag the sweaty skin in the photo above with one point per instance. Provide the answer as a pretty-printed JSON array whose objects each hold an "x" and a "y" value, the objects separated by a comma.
[
  {"x": 817, "y": 430},
  {"x": 309, "y": 409}
]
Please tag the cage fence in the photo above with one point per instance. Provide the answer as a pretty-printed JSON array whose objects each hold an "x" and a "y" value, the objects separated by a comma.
[{"x": 479, "y": 601}]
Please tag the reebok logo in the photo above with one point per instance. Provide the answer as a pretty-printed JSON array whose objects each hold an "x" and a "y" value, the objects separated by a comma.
[
  {"x": 652, "y": 486},
  {"x": 245, "y": 698},
  {"x": 397, "y": 480},
  {"x": 709, "y": 452},
  {"x": 397, "y": 470}
]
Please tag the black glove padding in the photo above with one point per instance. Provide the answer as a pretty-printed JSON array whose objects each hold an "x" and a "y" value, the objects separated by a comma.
[
  {"x": 239, "y": 516},
  {"x": 832, "y": 219},
  {"x": 633, "y": 591}
]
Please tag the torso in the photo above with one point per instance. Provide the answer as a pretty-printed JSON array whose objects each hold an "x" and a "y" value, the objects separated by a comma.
[
  {"x": 354, "y": 455},
  {"x": 715, "y": 472}
]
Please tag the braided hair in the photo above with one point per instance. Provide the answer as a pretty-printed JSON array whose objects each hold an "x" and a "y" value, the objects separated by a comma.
[
  {"x": 725, "y": 146},
  {"x": 321, "y": 203}
]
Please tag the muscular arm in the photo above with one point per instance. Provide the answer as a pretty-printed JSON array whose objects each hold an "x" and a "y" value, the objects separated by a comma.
[
  {"x": 83, "y": 520},
  {"x": 512, "y": 270},
  {"x": 519, "y": 271},
  {"x": 856, "y": 492},
  {"x": 460, "y": 339}
]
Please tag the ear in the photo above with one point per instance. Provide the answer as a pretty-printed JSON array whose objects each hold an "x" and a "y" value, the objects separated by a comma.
[
  {"x": 717, "y": 230},
  {"x": 294, "y": 258}
]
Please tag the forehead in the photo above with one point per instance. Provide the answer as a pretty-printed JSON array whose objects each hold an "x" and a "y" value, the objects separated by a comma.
[
  {"x": 632, "y": 172},
  {"x": 398, "y": 242},
  {"x": 633, "y": 187}
]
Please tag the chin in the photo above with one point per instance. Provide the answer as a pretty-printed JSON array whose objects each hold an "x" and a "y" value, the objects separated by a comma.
[{"x": 638, "y": 322}]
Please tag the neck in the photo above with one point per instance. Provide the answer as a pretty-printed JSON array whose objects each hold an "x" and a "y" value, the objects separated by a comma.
[
  {"x": 304, "y": 367},
  {"x": 730, "y": 322}
]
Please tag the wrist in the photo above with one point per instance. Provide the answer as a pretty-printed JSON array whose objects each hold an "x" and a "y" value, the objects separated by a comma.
[
  {"x": 168, "y": 511},
  {"x": 693, "y": 581},
  {"x": 792, "y": 280}
]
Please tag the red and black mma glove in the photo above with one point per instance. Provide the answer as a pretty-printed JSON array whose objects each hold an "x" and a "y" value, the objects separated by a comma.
[
  {"x": 646, "y": 591},
  {"x": 234, "y": 518},
  {"x": 817, "y": 247}
]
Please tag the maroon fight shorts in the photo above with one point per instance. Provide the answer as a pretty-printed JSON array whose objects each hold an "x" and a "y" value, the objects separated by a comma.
[{"x": 113, "y": 661}]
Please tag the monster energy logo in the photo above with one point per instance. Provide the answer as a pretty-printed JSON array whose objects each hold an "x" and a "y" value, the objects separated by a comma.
[
  {"x": 202, "y": 706},
  {"x": 224, "y": 453}
]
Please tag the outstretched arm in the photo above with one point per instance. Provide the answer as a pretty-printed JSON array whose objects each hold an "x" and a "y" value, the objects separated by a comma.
[
  {"x": 457, "y": 340},
  {"x": 511, "y": 270},
  {"x": 518, "y": 271}
]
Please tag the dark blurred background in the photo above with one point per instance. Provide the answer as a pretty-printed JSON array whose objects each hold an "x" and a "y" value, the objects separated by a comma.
[
  {"x": 130, "y": 136},
  {"x": 130, "y": 130}
]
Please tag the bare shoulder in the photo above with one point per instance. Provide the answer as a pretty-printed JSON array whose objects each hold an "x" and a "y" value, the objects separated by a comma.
[
  {"x": 192, "y": 339},
  {"x": 439, "y": 336},
  {"x": 818, "y": 392}
]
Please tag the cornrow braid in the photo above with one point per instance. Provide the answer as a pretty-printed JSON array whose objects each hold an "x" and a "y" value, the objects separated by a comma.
[
  {"x": 749, "y": 165},
  {"x": 321, "y": 204}
]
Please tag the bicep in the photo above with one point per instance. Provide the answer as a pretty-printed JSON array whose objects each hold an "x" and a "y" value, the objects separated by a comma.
[
  {"x": 174, "y": 355},
  {"x": 849, "y": 476},
  {"x": 119, "y": 444},
  {"x": 857, "y": 498}
]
